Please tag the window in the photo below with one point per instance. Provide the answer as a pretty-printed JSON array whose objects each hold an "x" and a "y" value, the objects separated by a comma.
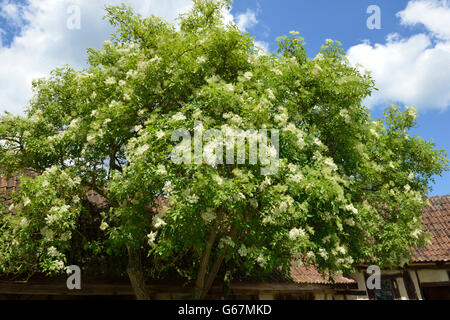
[{"x": 387, "y": 291}]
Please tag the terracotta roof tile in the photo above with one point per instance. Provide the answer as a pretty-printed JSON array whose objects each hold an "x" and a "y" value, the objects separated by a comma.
[
  {"x": 308, "y": 274},
  {"x": 436, "y": 220}
]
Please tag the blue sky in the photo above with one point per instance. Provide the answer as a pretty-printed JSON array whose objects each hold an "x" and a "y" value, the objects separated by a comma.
[{"x": 409, "y": 56}]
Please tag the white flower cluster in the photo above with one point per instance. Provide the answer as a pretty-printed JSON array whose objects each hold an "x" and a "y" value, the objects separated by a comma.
[
  {"x": 329, "y": 162},
  {"x": 168, "y": 188},
  {"x": 56, "y": 213},
  {"x": 351, "y": 208},
  {"x": 158, "y": 222},
  {"x": 152, "y": 237},
  {"x": 412, "y": 112},
  {"x": 243, "y": 251},
  {"x": 262, "y": 261},
  {"x": 209, "y": 215},
  {"x": 226, "y": 242},
  {"x": 296, "y": 233},
  {"x": 344, "y": 114},
  {"x": 179, "y": 117},
  {"x": 110, "y": 81}
]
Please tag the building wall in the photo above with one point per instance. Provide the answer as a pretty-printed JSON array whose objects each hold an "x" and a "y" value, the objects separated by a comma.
[{"x": 419, "y": 276}]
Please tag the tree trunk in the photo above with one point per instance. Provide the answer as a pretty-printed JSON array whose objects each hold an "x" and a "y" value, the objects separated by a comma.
[
  {"x": 136, "y": 274},
  {"x": 199, "y": 290}
]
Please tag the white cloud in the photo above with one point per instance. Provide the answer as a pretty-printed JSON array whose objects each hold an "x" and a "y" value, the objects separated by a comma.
[
  {"x": 10, "y": 12},
  {"x": 263, "y": 45},
  {"x": 45, "y": 42},
  {"x": 433, "y": 14},
  {"x": 246, "y": 20},
  {"x": 415, "y": 70}
]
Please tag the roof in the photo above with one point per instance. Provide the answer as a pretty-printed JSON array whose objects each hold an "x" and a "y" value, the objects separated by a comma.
[
  {"x": 7, "y": 186},
  {"x": 310, "y": 275},
  {"x": 436, "y": 220}
]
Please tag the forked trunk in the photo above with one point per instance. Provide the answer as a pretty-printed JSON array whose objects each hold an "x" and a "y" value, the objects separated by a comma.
[{"x": 136, "y": 275}]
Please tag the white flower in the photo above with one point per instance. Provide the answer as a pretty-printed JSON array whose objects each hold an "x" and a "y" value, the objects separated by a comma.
[
  {"x": 310, "y": 255},
  {"x": 131, "y": 74},
  {"x": 209, "y": 215},
  {"x": 160, "y": 134},
  {"x": 122, "y": 83},
  {"x": 412, "y": 112},
  {"x": 323, "y": 253},
  {"x": 229, "y": 87},
  {"x": 296, "y": 233},
  {"x": 24, "y": 222},
  {"x": 317, "y": 142},
  {"x": 261, "y": 260},
  {"x": 168, "y": 188},
  {"x": 179, "y": 117},
  {"x": 114, "y": 104},
  {"x": 59, "y": 265},
  {"x": 243, "y": 251},
  {"x": 66, "y": 236},
  {"x": 248, "y": 75},
  {"x": 281, "y": 118},
  {"x": 407, "y": 187},
  {"x": 266, "y": 182},
  {"x": 161, "y": 170},
  {"x": 158, "y": 222},
  {"x": 351, "y": 208},
  {"x": 316, "y": 70},
  {"x": 271, "y": 94},
  {"x": 156, "y": 59},
  {"x": 201, "y": 59},
  {"x": 277, "y": 71},
  {"x": 350, "y": 222},
  {"x": 152, "y": 237},
  {"x": 300, "y": 142},
  {"x": 344, "y": 113},
  {"x": 90, "y": 139},
  {"x": 411, "y": 176},
  {"x": 76, "y": 199},
  {"x": 26, "y": 201},
  {"x": 142, "y": 65},
  {"x": 110, "y": 81},
  {"x": 53, "y": 252},
  {"x": 218, "y": 179},
  {"x": 330, "y": 162},
  {"x": 319, "y": 57},
  {"x": 373, "y": 132},
  {"x": 226, "y": 242},
  {"x": 416, "y": 233},
  {"x": 391, "y": 165},
  {"x": 192, "y": 199},
  {"x": 104, "y": 226},
  {"x": 341, "y": 250},
  {"x": 140, "y": 151},
  {"x": 45, "y": 183}
]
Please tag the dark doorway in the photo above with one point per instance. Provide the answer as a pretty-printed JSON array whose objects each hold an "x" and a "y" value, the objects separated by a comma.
[{"x": 436, "y": 293}]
